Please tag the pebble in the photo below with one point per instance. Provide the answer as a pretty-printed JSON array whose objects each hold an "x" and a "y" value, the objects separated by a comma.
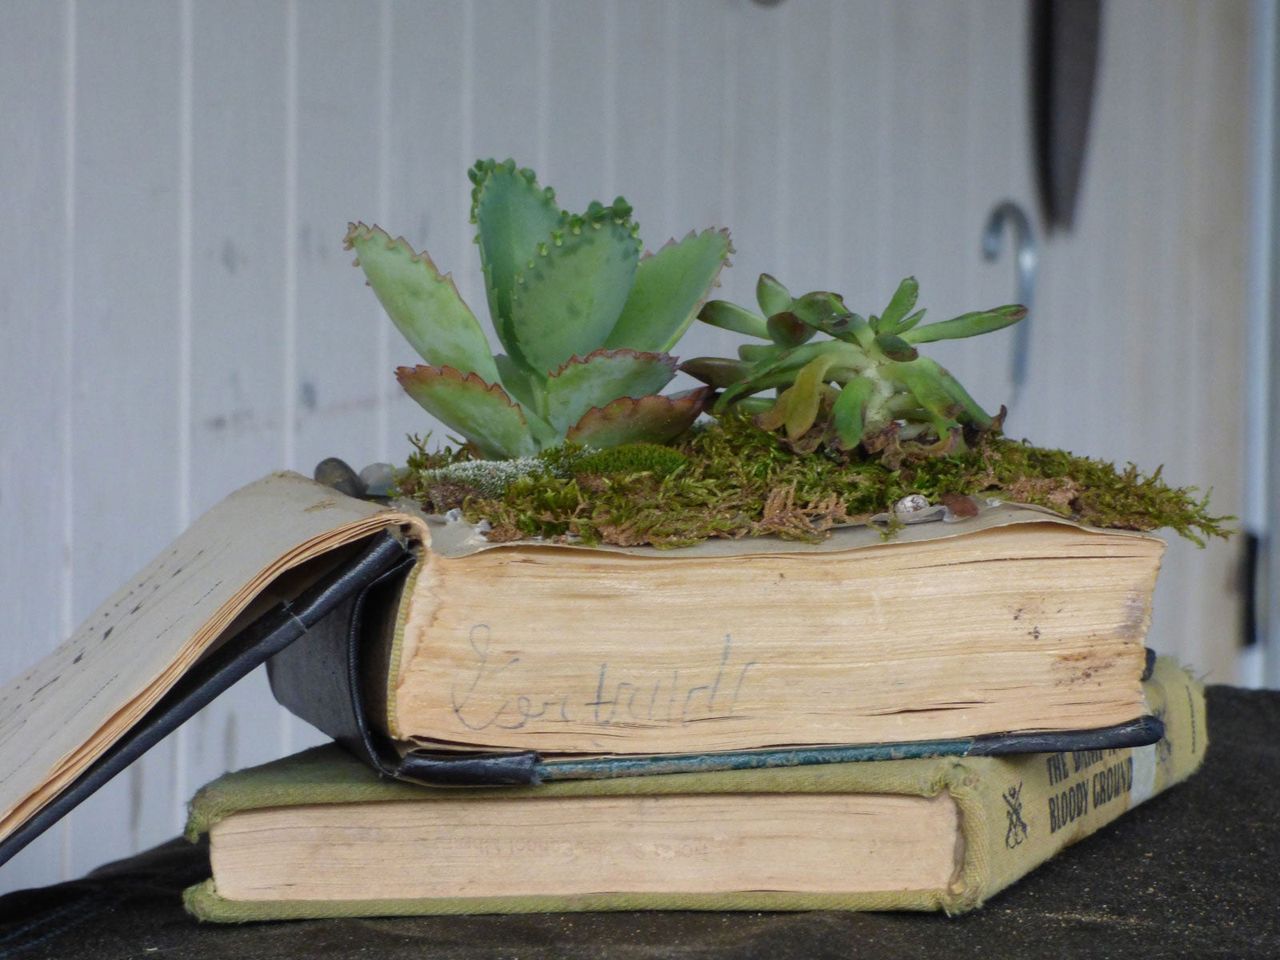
[
  {"x": 958, "y": 507},
  {"x": 911, "y": 503},
  {"x": 378, "y": 479},
  {"x": 334, "y": 472}
]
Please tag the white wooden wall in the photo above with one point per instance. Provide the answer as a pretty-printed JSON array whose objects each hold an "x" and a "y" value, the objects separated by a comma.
[{"x": 177, "y": 316}]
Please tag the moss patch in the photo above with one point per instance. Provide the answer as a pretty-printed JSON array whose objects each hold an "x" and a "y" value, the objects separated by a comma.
[{"x": 731, "y": 479}]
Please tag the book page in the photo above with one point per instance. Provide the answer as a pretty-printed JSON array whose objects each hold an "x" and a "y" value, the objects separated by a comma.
[{"x": 66, "y": 710}]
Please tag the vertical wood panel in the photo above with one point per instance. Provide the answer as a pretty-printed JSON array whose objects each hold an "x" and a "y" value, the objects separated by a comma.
[
  {"x": 806, "y": 141},
  {"x": 508, "y": 93},
  {"x": 1214, "y": 258},
  {"x": 125, "y": 383},
  {"x": 752, "y": 148},
  {"x": 640, "y": 125},
  {"x": 338, "y": 49},
  {"x": 694, "y": 41},
  {"x": 33, "y": 399},
  {"x": 430, "y": 196},
  {"x": 996, "y": 121},
  {"x": 856, "y": 258},
  {"x": 930, "y": 232},
  {"x": 337, "y": 167},
  {"x": 237, "y": 349},
  {"x": 575, "y": 111}
]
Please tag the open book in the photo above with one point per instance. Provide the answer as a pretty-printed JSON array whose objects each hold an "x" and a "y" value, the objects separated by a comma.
[{"x": 558, "y": 661}]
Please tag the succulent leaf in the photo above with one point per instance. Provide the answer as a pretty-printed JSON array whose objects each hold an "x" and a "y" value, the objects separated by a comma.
[
  {"x": 670, "y": 288},
  {"x": 927, "y": 388},
  {"x": 755, "y": 405},
  {"x": 776, "y": 415},
  {"x": 848, "y": 413},
  {"x": 904, "y": 300},
  {"x": 909, "y": 322},
  {"x": 716, "y": 372},
  {"x": 890, "y": 402},
  {"x": 568, "y": 299},
  {"x": 895, "y": 348},
  {"x": 967, "y": 325},
  {"x": 519, "y": 382},
  {"x": 788, "y": 330},
  {"x": 513, "y": 215},
  {"x": 730, "y": 316},
  {"x": 823, "y": 311},
  {"x": 755, "y": 352},
  {"x": 772, "y": 296},
  {"x": 974, "y": 414},
  {"x": 482, "y": 412},
  {"x": 767, "y": 373},
  {"x": 803, "y": 398},
  {"x": 600, "y": 378},
  {"x": 654, "y": 419},
  {"x": 424, "y": 305}
]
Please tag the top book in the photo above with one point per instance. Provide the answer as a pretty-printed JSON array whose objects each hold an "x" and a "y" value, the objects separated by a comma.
[{"x": 1014, "y": 621}]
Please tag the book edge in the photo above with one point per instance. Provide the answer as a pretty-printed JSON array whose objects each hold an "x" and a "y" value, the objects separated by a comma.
[{"x": 205, "y": 903}]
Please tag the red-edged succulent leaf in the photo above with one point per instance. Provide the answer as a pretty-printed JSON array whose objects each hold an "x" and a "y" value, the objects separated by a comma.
[
  {"x": 601, "y": 377},
  {"x": 482, "y": 412},
  {"x": 653, "y": 419},
  {"x": 423, "y": 303}
]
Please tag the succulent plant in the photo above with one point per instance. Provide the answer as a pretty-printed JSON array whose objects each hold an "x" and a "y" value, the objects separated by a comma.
[
  {"x": 585, "y": 320},
  {"x": 865, "y": 384}
]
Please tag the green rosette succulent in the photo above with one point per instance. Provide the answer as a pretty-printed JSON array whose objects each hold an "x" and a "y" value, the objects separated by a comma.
[
  {"x": 863, "y": 384},
  {"x": 585, "y": 320}
]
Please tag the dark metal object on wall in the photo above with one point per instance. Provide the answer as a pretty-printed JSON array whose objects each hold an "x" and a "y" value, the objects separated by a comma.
[{"x": 1065, "y": 36}]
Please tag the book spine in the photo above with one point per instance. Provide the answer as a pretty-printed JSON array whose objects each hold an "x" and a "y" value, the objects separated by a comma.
[{"x": 1018, "y": 812}]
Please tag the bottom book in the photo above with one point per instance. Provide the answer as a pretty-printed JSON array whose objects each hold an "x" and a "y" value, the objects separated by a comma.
[{"x": 320, "y": 835}]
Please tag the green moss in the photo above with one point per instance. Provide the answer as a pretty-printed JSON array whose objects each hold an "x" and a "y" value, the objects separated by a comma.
[
  {"x": 735, "y": 480},
  {"x": 631, "y": 458}
]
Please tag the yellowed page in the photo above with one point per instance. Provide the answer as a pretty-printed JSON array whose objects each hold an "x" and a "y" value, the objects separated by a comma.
[
  {"x": 1013, "y": 628},
  {"x": 585, "y": 845},
  {"x": 64, "y": 712}
]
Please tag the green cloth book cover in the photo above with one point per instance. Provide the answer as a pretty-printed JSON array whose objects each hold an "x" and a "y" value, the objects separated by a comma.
[{"x": 1012, "y": 813}]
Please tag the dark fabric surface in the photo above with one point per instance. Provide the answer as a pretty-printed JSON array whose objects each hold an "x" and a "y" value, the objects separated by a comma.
[{"x": 1191, "y": 873}]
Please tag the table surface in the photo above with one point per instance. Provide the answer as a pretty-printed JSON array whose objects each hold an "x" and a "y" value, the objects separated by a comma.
[{"x": 1192, "y": 872}]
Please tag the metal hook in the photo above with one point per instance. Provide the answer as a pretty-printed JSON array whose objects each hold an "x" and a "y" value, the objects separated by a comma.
[{"x": 1026, "y": 262}]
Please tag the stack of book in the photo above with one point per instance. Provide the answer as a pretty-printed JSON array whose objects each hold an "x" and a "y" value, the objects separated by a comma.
[{"x": 910, "y": 723}]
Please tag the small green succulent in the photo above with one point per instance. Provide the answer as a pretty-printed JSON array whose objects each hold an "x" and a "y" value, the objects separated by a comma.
[
  {"x": 585, "y": 320},
  {"x": 866, "y": 385}
]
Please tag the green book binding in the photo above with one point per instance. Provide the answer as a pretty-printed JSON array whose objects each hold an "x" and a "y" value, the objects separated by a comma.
[{"x": 1012, "y": 813}]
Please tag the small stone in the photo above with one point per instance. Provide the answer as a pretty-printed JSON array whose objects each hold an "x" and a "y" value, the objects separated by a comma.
[
  {"x": 453, "y": 516},
  {"x": 911, "y": 503},
  {"x": 334, "y": 472},
  {"x": 378, "y": 479},
  {"x": 958, "y": 507}
]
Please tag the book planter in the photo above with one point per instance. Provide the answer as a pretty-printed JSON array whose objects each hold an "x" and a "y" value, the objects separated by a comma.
[{"x": 825, "y": 554}]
